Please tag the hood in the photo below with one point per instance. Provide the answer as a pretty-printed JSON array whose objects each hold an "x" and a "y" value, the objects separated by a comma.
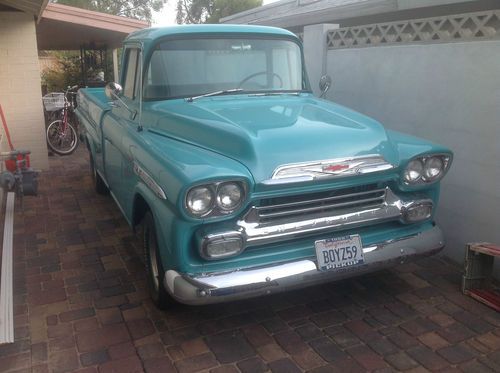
[{"x": 265, "y": 132}]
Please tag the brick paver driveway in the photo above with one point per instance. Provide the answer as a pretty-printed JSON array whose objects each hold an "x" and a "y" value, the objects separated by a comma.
[{"x": 81, "y": 305}]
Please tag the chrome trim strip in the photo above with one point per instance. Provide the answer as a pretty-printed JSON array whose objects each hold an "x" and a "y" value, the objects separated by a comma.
[
  {"x": 148, "y": 180},
  {"x": 289, "y": 180},
  {"x": 256, "y": 281},
  {"x": 329, "y": 168}
]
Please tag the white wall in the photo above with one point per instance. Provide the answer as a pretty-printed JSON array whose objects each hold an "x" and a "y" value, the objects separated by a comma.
[
  {"x": 447, "y": 93},
  {"x": 20, "y": 92}
]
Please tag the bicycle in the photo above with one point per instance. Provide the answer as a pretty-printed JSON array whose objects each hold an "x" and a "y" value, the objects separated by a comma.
[{"x": 62, "y": 137}]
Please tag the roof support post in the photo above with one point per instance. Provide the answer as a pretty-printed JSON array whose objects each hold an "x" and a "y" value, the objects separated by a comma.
[
  {"x": 115, "y": 65},
  {"x": 315, "y": 51}
]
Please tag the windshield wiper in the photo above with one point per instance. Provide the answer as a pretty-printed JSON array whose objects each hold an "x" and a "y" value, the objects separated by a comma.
[
  {"x": 216, "y": 93},
  {"x": 295, "y": 93}
]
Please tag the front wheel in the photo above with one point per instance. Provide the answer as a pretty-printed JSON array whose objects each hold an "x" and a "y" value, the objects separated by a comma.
[
  {"x": 154, "y": 267},
  {"x": 63, "y": 140}
]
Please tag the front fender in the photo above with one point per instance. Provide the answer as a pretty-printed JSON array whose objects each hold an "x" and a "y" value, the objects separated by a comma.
[
  {"x": 177, "y": 166},
  {"x": 170, "y": 228}
]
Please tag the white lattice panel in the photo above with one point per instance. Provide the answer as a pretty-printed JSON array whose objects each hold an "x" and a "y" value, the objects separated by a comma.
[{"x": 460, "y": 27}]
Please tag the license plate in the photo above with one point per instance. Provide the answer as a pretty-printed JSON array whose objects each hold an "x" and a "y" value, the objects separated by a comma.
[{"x": 339, "y": 252}]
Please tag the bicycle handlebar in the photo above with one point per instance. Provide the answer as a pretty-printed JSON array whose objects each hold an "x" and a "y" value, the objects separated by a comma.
[{"x": 72, "y": 88}]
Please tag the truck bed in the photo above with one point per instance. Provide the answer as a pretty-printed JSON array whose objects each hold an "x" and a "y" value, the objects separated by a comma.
[{"x": 92, "y": 105}]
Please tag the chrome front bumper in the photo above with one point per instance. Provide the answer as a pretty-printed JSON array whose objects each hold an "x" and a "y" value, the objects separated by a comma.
[{"x": 257, "y": 281}]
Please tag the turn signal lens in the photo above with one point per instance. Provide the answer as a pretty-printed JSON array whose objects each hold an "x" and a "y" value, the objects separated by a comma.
[
  {"x": 417, "y": 212},
  {"x": 222, "y": 247}
]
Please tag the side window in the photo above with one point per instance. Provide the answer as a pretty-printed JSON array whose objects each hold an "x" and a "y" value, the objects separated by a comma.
[{"x": 129, "y": 87}]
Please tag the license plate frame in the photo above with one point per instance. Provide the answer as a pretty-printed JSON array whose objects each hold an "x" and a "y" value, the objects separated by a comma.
[{"x": 339, "y": 252}]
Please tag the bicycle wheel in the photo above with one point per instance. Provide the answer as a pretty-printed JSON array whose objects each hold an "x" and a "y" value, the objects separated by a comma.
[{"x": 62, "y": 141}]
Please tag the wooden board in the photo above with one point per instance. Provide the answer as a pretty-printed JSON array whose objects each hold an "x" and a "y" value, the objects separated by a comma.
[
  {"x": 6, "y": 294},
  {"x": 488, "y": 297},
  {"x": 486, "y": 248}
]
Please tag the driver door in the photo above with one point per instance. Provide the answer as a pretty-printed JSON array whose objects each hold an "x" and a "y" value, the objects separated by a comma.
[{"x": 117, "y": 124}]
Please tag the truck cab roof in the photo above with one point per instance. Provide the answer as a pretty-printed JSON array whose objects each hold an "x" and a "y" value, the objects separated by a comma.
[{"x": 154, "y": 33}]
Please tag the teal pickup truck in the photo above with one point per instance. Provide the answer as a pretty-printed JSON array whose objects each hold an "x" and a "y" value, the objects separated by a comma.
[{"x": 245, "y": 184}]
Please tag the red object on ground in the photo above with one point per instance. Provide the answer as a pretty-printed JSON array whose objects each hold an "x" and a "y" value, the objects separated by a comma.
[
  {"x": 487, "y": 248},
  {"x": 488, "y": 297},
  {"x": 10, "y": 164}
]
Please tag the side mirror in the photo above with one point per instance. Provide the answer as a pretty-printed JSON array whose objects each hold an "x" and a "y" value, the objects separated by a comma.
[
  {"x": 113, "y": 90},
  {"x": 324, "y": 84}
]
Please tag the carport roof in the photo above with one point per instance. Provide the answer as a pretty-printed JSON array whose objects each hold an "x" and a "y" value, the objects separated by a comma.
[
  {"x": 34, "y": 7},
  {"x": 294, "y": 14},
  {"x": 64, "y": 27}
]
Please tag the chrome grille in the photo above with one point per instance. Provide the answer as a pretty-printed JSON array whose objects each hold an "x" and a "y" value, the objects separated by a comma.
[{"x": 303, "y": 207}]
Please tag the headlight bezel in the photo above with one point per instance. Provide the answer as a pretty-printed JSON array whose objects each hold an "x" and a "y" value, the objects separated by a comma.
[
  {"x": 215, "y": 209},
  {"x": 446, "y": 160}
]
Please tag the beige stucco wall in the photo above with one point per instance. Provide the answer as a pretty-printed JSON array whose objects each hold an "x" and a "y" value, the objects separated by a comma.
[{"x": 20, "y": 92}]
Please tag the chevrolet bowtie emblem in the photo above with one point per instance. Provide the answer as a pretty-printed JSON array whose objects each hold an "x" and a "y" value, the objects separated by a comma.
[{"x": 335, "y": 167}]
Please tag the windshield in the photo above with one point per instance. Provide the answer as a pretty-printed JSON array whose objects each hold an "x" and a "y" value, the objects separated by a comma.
[{"x": 191, "y": 67}]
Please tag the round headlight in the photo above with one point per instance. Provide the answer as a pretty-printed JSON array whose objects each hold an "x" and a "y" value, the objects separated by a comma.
[
  {"x": 229, "y": 196},
  {"x": 413, "y": 171},
  {"x": 199, "y": 200},
  {"x": 433, "y": 168}
]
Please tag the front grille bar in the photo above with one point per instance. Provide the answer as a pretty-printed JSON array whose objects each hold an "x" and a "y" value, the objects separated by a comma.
[
  {"x": 360, "y": 212},
  {"x": 375, "y": 197},
  {"x": 333, "y": 198}
]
